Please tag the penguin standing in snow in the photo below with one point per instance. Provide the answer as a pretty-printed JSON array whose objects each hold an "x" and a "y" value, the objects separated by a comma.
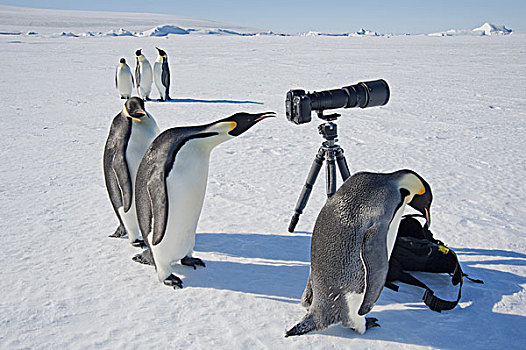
[
  {"x": 131, "y": 132},
  {"x": 143, "y": 75},
  {"x": 170, "y": 189},
  {"x": 351, "y": 244},
  {"x": 161, "y": 75},
  {"x": 124, "y": 79}
]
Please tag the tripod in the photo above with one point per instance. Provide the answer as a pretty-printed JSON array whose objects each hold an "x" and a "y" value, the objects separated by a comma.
[{"x": 330, "y": 152}]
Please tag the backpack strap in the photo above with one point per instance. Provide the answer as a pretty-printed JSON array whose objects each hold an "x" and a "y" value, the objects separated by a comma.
[{"x": 432, "y": 301}]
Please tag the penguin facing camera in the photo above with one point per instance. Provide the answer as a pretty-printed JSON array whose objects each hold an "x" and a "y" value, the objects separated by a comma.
[
  {"x": 124, "y": 79},
  {"x": 143, "y": 75},
  {"x": 131, "y": 132},
  {"x": 170, "y": 189},
  {"x": 161, "y": 75},
  {"x": 351, "y": 244}
]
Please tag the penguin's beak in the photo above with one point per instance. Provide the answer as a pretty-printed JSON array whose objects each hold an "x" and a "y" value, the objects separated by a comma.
[
  {"x": 244, "y": 121},
  {"x": 138, "y": 115}
]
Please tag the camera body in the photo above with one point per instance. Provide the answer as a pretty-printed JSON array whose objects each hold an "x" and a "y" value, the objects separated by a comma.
[
  {"x": 299, "y": 104},
  {"x": 298, "y": 107}
]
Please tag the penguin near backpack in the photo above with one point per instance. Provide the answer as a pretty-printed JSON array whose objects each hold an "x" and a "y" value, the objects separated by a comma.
[
  {"x": 131, "y": 132},
  {"x": 161, "y": 75},
  {"x": 351, "y": 244},
  {"x": 170, "y": 189}
]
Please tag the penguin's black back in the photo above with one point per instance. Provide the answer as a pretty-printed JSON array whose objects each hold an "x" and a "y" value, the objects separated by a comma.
[{"x": 353, "y": 222}]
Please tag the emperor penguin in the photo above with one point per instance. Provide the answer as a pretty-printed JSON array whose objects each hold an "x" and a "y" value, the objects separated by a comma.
[
  {"x": 143, "y": 75},
  {"x": 124, "y": 79},
  {"x": 161, "y": 75},
  {"x": 170, "y": 189},
  {"x": 131, "y": 133},
  {"x": 351, "y": 244}
]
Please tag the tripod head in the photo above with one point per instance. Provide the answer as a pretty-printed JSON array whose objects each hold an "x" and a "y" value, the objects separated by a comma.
[{"x": 328, "y": 130}]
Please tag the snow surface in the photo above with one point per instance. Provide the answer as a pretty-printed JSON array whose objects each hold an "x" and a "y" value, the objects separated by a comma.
[{"x": 456, "y": 116}]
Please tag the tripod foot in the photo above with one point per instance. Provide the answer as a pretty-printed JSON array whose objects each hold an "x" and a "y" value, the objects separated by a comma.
[{"x": 294, "y": 222}]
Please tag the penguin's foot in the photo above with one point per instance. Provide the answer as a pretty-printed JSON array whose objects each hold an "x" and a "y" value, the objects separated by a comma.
[
  {"x": 144, "y": 258},
  {"x": 138, "y": 243},
  {"x": 120, "y": 232},
  {"x": 189, "y": 261},
  {"x": 371, "y": 322},
  {"x": 173, "y": 281}
]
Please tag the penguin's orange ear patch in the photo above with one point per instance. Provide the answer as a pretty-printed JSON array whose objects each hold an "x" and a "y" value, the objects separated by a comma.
[
  {"x": 234, "y": 124},
  {"x": 422, "y": 190}
]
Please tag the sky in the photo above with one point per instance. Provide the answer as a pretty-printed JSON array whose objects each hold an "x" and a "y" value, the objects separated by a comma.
[{"x": 293, "y": 16}]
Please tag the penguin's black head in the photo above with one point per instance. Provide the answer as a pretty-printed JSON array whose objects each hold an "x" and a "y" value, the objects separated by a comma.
[
  {"x": 138, "y": 52},
  {"x": 422, "y": 199},
  {"x": 122, "y": 60},
  {"x": 244, "y": 121},
  {"x": 135, "y": 107},
  {"x": 161, "y": 52}
]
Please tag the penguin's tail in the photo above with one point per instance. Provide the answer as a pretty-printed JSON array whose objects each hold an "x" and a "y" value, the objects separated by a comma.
[{"x": 305, "y": 326}]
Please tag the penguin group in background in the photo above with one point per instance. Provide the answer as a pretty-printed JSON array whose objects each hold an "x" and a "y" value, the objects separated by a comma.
[
  {"x": 143, "y": 75},
  {"x": 161, "y": 75},
  {"x": 130, "y": 135},
  {"x": 351, "y": 244},
  {"x": 170, "y": 189},
  {"x": 124, "y": 79}
]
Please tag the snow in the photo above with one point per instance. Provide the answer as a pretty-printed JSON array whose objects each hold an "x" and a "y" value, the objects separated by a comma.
[{"x": 456, "y": 116}]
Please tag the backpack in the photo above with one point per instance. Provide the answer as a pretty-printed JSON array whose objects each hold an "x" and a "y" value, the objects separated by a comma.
[{"x": 416, "y": 249}]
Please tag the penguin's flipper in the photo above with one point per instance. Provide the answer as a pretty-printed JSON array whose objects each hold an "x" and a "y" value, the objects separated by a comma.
[
  {"x": 376, "y": 263},
  {"x": 122, "y": 173},
  {"x": 189, "y": 261},
  {"x": 159, "y": 205},
  {"x": 165, "y": 78},
  {"x": 116, "y": 70},
  {"x": 116, "y": 172},
  {"x": 137, "y": 74},
  {"x": 120, "y": 232},
  {"x": 145, "y": 257}
]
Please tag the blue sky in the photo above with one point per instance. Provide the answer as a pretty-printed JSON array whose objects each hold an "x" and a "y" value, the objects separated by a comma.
[{"x": 408, "y": 16}]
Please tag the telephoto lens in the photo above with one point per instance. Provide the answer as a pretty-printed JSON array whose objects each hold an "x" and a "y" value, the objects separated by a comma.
[{"x": 299, "y": 105}]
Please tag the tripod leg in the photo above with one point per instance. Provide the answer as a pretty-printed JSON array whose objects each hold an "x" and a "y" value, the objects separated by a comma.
[
  {"x": 331, "y": 173},
  {"x": 307, "y": 188},
  {"x": 342, "y": 164}
]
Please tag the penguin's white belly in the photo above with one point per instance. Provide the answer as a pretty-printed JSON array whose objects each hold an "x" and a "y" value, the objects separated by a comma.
[
  {"x": 157, "y": 75},
  {"x": 124, "y": 82},
  {"x": 142, "y": 135},
  {"x": 393, "y": 230},
  {"x": 145, "y": 70},
  {"x": 186, "y": 186}
]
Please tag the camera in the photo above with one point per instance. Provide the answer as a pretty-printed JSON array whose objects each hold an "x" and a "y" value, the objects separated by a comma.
[{"x": 299, "y": 104}]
